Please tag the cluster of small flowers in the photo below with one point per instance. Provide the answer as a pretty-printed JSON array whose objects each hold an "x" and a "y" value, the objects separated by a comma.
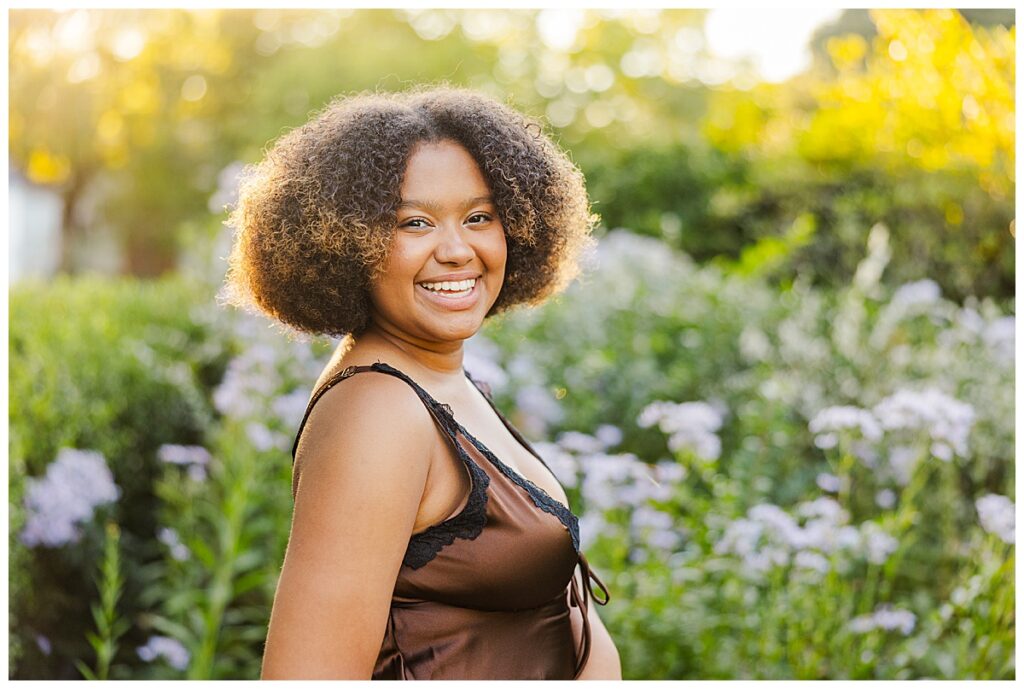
[
  {"x": 622, "y": 480},
  {"x": 263, "y": 439},
  {"x": 969, "y": 326},
  {"x": 76, "y": 482},
  {"x": 829, "y": 483},
  {"x": 884, "y": 617},
  {"x": 250, "y": 380},
  {"x": 248, "y": 391},
  {"x": 923, "y": 297},
  {"x": 195, "y": 457},
  {"x": 689, "y": 425},
  {"x": 798, "y": 343},
  {"x": 611, "y": 481},
  {"x": 827, "y": 424},
  {"x": 480, "y": 357},
  {"x": 999, "y": 336},
  {"x": 290, "y": 407},
  {"x": 996, "y": 514},
  {"x": 655, "y": 529},
  {"x": 754, "y": 344},
  {"x": 946, "y": 422},
  {"x": 624, "y": 261},
  {"x": 172, "y": 650},
  {"x": 920, "y": 292},
  {"x": 563, "y": 464},
  {"x": 169, "y": 537},
  {"x": 769, "y": 536},
  {"x": 901, "y": 462},
  {"x": 605, "y": 437},
  {"x": 538, "y": 409}
]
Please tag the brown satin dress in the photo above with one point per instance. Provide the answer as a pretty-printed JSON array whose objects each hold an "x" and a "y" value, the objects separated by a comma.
[{"x": 482, "y": 595}]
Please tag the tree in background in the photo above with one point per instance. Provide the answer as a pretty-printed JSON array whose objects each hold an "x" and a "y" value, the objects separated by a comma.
[
  {"x": 134, "y": 117},
  {"x": 120, "y": 112},
  {"x": 915, "y": 128}
]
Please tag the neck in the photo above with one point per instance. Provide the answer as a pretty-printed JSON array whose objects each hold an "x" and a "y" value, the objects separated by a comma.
[{"x": 441, "y": 360}]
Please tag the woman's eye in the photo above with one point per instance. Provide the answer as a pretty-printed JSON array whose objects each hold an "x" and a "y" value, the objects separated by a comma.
[
  {"x": 409, "y": 223},
  {"x": 484, "y": 217}
]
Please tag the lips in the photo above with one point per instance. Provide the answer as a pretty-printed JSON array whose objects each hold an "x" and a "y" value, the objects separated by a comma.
[{"x": 451, "y": 303}]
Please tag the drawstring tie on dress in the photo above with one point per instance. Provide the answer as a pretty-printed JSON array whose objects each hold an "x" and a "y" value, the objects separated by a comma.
[{"x": 576, "y": 600}]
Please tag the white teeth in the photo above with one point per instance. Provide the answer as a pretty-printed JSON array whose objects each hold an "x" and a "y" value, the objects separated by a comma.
[{"x": 462, "y": 285}]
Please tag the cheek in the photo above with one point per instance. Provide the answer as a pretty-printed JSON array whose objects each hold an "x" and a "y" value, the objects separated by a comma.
[
  {"x": 498, "y": 250},
  {"x": 386, "y": 288},
  {"x": 402, "y": 266}
]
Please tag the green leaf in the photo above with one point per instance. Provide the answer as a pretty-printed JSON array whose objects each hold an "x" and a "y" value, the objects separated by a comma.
[
  {"x": 249, "y": 581},
  {"x": 202, "y": 552},
  {"x": 84, "y": 669},
  {"x": 173, "y": 629}
]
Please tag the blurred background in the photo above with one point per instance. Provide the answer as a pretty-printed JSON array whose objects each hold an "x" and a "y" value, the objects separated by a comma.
[{"x": 780, "y": 397}]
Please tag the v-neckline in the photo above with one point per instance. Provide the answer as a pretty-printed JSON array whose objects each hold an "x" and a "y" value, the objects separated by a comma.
[
  {"x": 469, "y": 521},
  {"x": 557, "y": 506}
]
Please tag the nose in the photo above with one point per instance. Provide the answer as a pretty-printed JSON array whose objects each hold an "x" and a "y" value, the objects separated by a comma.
[{"x": 452, "y": 247}]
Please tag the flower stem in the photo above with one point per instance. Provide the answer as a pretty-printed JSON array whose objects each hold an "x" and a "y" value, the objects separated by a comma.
[{"x": 109, "y": 626}]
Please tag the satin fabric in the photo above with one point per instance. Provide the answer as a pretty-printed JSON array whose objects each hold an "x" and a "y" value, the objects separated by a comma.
[{"x": 495, "y": 605}]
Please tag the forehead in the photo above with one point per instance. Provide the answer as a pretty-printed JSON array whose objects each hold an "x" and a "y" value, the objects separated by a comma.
[{"x": 440, "y": 170}]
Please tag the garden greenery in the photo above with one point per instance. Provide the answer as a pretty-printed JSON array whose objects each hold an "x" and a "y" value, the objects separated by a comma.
[{"x": 779, "y": 484}]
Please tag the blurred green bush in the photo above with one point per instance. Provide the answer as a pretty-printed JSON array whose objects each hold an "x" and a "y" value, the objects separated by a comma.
[
  {"x": 125, "y": 367},
  {"x": 715, "y": 204},
  {"x": 117, "y": 366},
  {"x": 649, "y": 326}
]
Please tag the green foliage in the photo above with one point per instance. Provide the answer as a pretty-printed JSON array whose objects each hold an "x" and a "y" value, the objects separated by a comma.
[
  {"x": 650, "y": 326},
  {"x": 855, "y": 141},
  {"x": 109, "y": 626},
  {"x": 716, "y": 206},
  {"x": 644, "y": 324},
  {"x": 113, "y": 366},
  {"x": 914, "y": 130}
]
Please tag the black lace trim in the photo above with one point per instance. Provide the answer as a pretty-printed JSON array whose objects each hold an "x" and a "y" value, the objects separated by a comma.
[
  {"x": 470, "y": 521},
  {"x": 539, "y": 496},
  {"x": 467, "y": 524}
]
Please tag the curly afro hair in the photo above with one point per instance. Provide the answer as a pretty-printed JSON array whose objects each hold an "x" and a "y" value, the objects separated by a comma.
[{"x": 314, "y": 220}]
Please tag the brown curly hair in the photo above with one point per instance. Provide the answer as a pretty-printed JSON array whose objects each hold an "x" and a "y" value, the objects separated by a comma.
[{"x": 314, "y": 220}]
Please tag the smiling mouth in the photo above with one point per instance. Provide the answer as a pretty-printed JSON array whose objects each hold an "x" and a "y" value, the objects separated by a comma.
[
  {"x": 458, "y": 288},
  {"x": 449, "y": 298}
]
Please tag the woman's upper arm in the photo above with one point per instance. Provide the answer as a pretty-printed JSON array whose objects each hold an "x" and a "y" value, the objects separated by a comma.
[{"x": 364, "y": 461}]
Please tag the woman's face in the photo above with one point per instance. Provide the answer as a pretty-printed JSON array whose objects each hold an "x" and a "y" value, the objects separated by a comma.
[{"x": 447, "y": 231}]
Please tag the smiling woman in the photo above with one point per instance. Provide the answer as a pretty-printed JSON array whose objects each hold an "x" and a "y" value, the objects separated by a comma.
[
  {"x": 446, "y": 265},
  {"x": 418, "y": 549}
]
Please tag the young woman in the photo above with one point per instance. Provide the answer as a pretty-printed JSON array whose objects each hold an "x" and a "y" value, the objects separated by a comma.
[{"x": 428, "y": 539}]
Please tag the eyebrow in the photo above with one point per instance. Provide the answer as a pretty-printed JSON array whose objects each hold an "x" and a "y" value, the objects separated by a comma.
[{"x": 435, "y": 208}]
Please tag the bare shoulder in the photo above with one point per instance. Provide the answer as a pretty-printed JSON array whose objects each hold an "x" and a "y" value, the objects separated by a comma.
[
  {"x": 361, "y": 470},
  {"x": 359, "y": 414}
]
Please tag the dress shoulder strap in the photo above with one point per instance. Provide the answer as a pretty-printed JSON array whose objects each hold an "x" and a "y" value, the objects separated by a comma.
[
  {"x": 442, "y": 413},
  {"x": 485, "y": 390},
  {"x": 469, "y": 522}
]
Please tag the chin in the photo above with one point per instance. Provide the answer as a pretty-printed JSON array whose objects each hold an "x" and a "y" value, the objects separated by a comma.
[{"x": 462, "y": 331}]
